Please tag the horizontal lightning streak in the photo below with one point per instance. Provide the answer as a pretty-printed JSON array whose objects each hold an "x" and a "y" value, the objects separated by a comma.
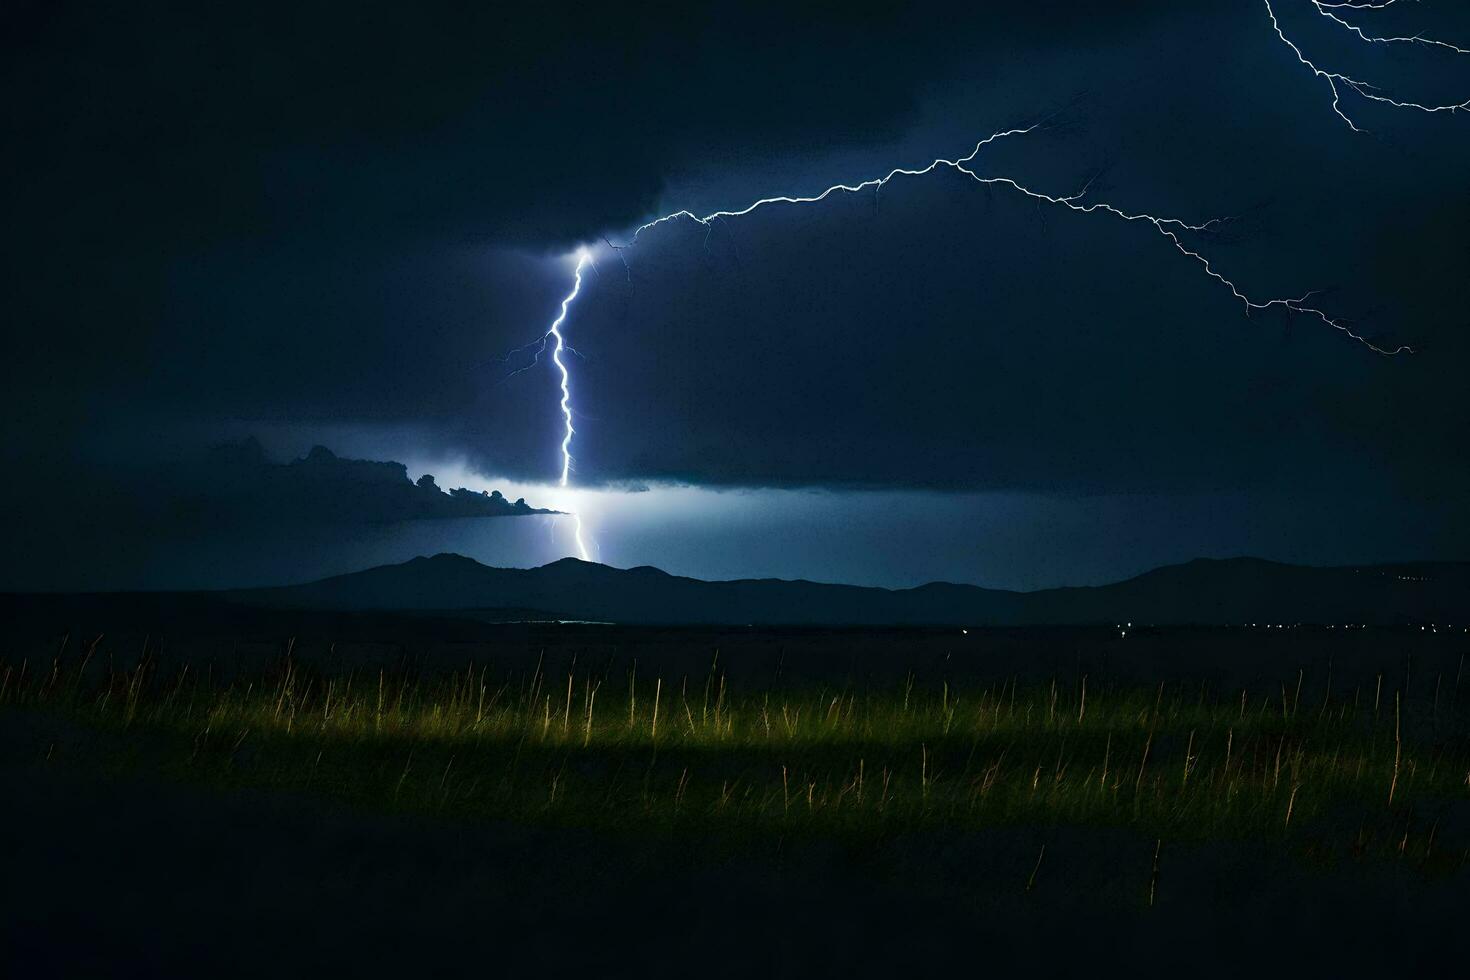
[
  {"x": 1325, "y": 9},
  {"x": 1170, "y": 228}
]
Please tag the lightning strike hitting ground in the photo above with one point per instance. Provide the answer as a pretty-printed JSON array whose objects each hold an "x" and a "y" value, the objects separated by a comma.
[
  {"x": 1364, "y": 89},
  {"x": 583, "y": 258}
]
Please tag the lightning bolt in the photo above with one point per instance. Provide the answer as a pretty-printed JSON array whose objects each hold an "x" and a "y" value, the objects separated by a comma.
[
  {"x": 1170, "y": 228},
  {"x": 1337, "y": 81},
  {"x": 560, "y": 347},
  {"x": 1325, "y": 9}
]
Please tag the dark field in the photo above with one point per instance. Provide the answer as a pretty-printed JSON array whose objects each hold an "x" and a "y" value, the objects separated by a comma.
[{"x": 303, "y": 794}]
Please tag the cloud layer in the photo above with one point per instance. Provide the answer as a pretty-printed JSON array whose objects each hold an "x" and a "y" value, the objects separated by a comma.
[{"x": 288, "y": 218}]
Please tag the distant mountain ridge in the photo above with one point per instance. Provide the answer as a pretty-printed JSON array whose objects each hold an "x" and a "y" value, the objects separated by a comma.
[{"x": 1203, "y": 592}]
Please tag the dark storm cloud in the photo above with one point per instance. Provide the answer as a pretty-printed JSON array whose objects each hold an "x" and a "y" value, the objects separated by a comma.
[
  {"x": 236, "y": 483},
  {"x": 305, "y": 154},
  {"x": 307, "y": 216},
  {"x": 530, "y": 123},
  {"x": 950, "y": 335},
  {"x": 145, "y": 515}
]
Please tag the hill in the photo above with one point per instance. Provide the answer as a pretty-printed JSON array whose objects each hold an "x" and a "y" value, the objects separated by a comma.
[{"x": 1204, "y": 591}]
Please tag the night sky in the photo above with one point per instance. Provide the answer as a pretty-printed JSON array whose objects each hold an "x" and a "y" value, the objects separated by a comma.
[{"x": 317, "y": 224}]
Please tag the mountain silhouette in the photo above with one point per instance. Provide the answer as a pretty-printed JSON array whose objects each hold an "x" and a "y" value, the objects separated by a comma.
[{"x": 1203, "y": 592}]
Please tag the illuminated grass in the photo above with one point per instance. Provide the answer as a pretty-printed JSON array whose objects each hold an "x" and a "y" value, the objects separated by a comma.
[{"x": 1363, "y": 770}]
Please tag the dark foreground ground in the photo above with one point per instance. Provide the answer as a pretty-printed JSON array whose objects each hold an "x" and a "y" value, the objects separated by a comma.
[{"x": 132, "y": 873}]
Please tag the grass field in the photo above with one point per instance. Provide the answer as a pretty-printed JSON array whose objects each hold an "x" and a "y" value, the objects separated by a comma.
[
  {"x": 1337, "y": 774},
  {"x": 402, "y": 795}
]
